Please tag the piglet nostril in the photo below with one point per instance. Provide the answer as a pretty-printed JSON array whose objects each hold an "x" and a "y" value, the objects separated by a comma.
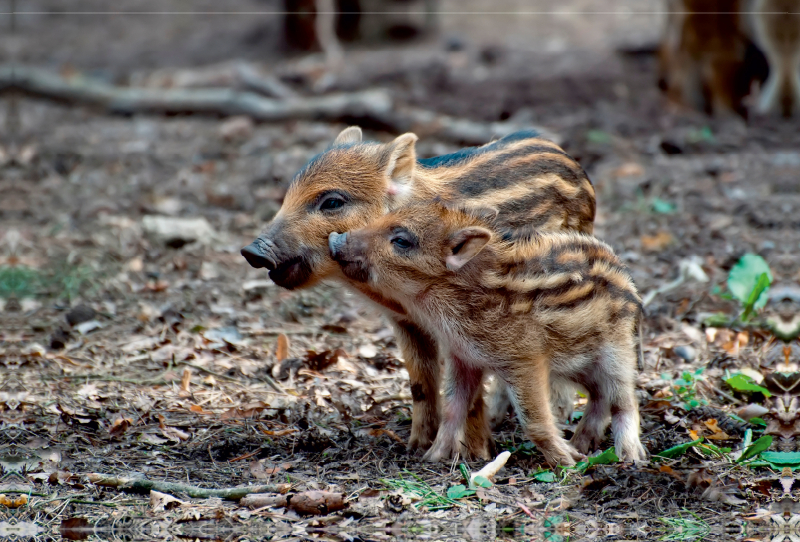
[
  {"x": 257, "y": 257},
  {"x": 336, "y": 242}
]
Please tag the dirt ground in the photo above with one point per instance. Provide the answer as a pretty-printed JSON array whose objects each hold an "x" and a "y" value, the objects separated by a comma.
[{"x": 132, "y": 356}]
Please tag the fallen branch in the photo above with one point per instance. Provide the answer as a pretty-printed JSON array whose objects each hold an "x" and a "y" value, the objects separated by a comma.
[
  {"x": 238, "y": 75},
  {"x": 144, "y": 486},
  {"x": 372, "y": 107},
  {"x": 210, "y": 101},
  {"x": 307, "y": 502}
]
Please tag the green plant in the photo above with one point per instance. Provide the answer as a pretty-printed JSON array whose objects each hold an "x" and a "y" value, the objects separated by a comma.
[
  {"x": 605, "y": 458},
  {"x": 544, "y": 475},
  {"x": 419, "y": 489},
  {"x": 748, "y": 283},
  {"x": 684, "y": 389},
  {"x": 756, "y": 448},
  {"x": 680, "y": 449},
  {"x": 703, "y": 134},
  {"x": 743, "y": 383},
  {"x": 645, "y": 205}
]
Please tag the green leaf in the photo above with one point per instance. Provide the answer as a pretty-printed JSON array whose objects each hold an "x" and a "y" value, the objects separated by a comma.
[
  {"x": 546, "y": 476},
  {"x": 745, "y": 278},
  {"x": 716, "y": 450},
  {"x": 762, "y": 284},
  {"x": 701, "y": 134},
  {"x": 756, "y": 448},
  {"x": 782, "y": 459},
  {"x": 718, "y": 320},
  {"x": 680, "y": 449},
  {"x": 482, "y": 481},
  {"x": 459, "y": 492},
  {"x": 598, "y": 136},
  {"x": 663, "y": 207},
  {"x": 758, "y": 421},
  {"x": 742, "y": 382},
  {"x": 604, "y": 458},
  {"x": 464, "y": 471}
]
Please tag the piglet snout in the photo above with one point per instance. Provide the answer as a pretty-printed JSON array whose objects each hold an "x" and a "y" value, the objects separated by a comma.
[{"x": 336, "y": 242}]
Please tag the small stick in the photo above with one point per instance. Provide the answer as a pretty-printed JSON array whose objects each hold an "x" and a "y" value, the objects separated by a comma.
[
  {"x": 526, "y": 510},
  {"x": 141, "y": 485}
]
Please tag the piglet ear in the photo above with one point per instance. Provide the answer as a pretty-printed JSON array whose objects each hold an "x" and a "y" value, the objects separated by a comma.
[
  {"x": 349, "y": 135},
  {"x": 400, "y": 160},
  {"x": 464, "y": 245}
]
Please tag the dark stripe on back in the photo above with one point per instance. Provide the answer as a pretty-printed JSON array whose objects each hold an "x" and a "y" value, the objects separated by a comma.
[
  {"x": 484, "y": 177},
  {"x": 463, "y": 155}
]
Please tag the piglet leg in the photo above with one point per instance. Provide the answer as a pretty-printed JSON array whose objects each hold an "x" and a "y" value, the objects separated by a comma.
[
  {"x": 424, "y": 369},
  {"x": 528, "y": 382},
  {"x": 462, "y": 384}
]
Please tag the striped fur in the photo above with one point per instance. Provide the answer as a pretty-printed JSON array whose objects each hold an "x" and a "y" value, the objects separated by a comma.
[
  {"x": 525, "y": 182},
  {"x": 556, "y": 307}
]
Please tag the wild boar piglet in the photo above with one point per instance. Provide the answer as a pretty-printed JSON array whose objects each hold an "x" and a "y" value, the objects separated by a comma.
[
  {"x": 556, "y": 308},
  {"x": 530, "y": 182}
]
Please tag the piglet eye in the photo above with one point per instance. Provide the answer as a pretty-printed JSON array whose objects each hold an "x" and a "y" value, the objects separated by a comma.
[
  {"x": 401, "y": 242},
  {"x": 332, "y": 203}
]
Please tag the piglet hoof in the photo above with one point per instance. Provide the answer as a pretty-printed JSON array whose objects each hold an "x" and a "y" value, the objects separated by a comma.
[
  {"x": 442, "y": 450},
  {"x": 561, "y": 453},
  {"x": 632, "y": 452},
  {"x": 418, "y": 442},
  {"x": 585, "y": 441},
  {"x": 481, "y": 450},
  {"x": 480, "y": 444},
  {"x": 422, "y": 435}
]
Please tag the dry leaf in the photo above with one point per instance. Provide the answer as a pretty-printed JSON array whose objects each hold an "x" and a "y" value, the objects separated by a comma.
[
  {"x": 249, "y": 410},
  {"x": 657, "y": 242},
  {"x": 162, "y": 501},
  {"x": 119, "y": 426},
  {"x": 197, "y": 409},
  {"x": 629, "y": 169},
  {"x": 174, "y": 434},
  {"x": 717, "y": 433},
  {"x": 152, "y": 439}
]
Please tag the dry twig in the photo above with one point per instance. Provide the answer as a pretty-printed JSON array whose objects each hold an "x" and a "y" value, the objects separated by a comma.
[{"x": 142, "y": 485}]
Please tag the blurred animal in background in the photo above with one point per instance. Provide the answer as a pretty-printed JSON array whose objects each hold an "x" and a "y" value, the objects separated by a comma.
[
  {"x": 323, "y": 24},
  {"x": 715, "y": 53},
  {"x": 353, "y": 20},
  {"x": 776, "y": 28},
  {"x": 707, "y": 60}
]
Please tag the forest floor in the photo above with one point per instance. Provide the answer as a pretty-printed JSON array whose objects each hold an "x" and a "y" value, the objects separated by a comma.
[{"x": 128, "y": 355}]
